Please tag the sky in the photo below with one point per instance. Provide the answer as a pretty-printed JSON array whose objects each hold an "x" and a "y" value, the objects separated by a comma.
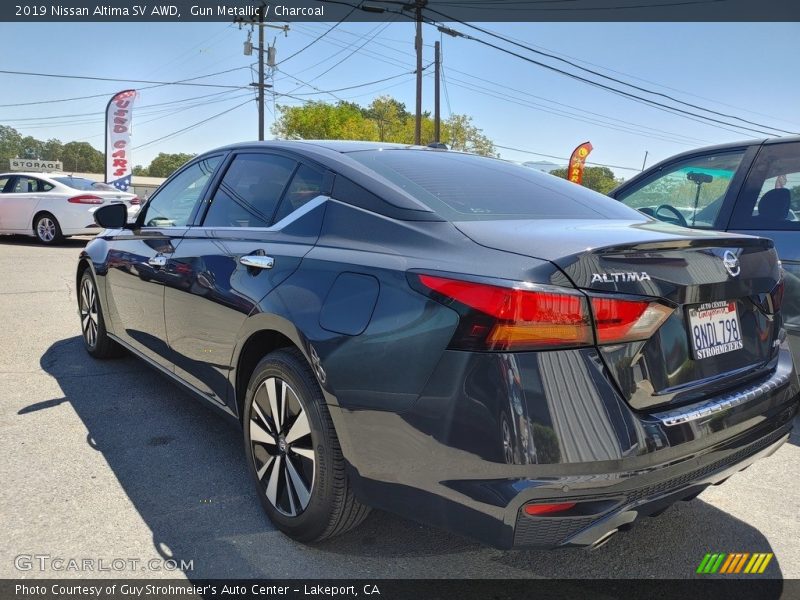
[{"x": 743, "y": 69}]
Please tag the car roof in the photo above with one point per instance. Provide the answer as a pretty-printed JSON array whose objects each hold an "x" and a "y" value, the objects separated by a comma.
[
  {"x": 32, "y": 174},
  {"x": 340, "y": 146}
]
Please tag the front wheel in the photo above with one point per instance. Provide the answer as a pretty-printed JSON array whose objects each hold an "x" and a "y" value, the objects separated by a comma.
[
  {"x": 93, "y": 326},
  {"x": 47, "y": 229},
  {"x": 293, "y": 452}
]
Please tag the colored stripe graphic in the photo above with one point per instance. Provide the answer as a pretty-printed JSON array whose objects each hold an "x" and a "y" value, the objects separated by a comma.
[{"x": 722, "y": 563}]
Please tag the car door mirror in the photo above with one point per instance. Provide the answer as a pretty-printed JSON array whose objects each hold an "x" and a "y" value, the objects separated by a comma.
[{"x": 113, "y": 216}]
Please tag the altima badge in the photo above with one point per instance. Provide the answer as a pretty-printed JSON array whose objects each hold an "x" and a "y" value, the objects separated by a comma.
[
  {"x": 731, "y": 263},
  {"x": 619, "y": 277}
]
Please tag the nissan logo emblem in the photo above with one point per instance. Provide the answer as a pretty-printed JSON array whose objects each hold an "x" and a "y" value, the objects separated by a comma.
[{"x": 731, "y": 263}]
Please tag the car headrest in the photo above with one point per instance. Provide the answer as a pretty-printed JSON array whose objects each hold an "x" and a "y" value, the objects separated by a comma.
[{"x": 774, "y": 205}]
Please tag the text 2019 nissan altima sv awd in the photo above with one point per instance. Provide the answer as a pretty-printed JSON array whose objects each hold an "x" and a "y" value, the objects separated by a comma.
[{"x": 457, "y": 339}]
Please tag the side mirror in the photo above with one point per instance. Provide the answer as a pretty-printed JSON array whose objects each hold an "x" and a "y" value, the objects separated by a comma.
[{"x": 113, "y": 216}]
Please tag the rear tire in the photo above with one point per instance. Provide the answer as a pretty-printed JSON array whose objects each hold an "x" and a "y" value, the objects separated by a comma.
[
  {"x": 293, "y": 453},
  {"x": 47, "y": 230},
  {"x": 93, "y": 325}
]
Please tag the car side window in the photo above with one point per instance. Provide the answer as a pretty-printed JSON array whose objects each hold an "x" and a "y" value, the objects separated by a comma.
[
  {"x": 250, "y": 191},
  {"x": 3, "y": 184},
  {"x": 27, "y": 185},
  {"x": 688, "y": 193},
  {"x": 173, "y": 203},
  {"x": 307, "y": 184},
  {"x": 771, "y": 197}
]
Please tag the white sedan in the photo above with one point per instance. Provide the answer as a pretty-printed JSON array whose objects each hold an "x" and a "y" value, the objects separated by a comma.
[{"x": 52, "y": 206}]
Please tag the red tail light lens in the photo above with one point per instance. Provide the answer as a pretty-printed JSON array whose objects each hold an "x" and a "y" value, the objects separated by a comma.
[
  {"x": 85, "y": 199},
  {"x": 618, "y": 321},
  {"x": 135, "y": 201},
  {"x": 546, "y": 509},
  {"x": 501, "y": 319}
]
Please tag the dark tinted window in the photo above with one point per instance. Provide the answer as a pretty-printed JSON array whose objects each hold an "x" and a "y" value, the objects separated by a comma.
[
  {"x": 306, "y": 185},
  {"x": 174, "y": 201},
  {"x": 80, "y": 183},
  {"x": 28, "y": 185},
  {"x": 4, "y": 182},
  {"x": 250, "y": 191},
  {"x": 464, "y": 186},
  {"x": 771, "y": 197}
]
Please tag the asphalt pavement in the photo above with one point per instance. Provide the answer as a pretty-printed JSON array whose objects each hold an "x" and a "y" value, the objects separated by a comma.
[{"x": 108, "y": 460}]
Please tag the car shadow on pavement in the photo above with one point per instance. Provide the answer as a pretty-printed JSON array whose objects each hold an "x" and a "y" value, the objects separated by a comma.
[{"x": 182, "y": 466}]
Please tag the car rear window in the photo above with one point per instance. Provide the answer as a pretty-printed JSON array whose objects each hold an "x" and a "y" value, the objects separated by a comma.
[
  {"x": 85, "y": 185},
  {"x": 468, "y": 187}
]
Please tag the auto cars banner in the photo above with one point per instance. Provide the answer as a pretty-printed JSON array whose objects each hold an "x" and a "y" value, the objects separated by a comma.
[
  {"x": 119, "y": 118},
  {"x": 577, "y": 162}
]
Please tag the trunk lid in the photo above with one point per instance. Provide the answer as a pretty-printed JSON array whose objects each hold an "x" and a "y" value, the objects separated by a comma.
[{"x": 686, "y": 270}]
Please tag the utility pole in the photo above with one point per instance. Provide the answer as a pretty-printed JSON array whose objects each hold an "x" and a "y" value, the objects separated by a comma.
[
  {"x": 418, "y": 44},
  {"x": 261, "y": 72},
  {"x": 258, "y": 21},
  {"x": 437, "y": 114}
]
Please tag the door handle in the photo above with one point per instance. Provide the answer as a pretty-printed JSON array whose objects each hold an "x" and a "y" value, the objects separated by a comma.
[
  {"x": 257, "y": 261},
  {"x": 157, "y": 261}
]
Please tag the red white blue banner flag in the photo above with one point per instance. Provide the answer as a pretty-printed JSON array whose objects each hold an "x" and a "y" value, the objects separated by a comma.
[{"x": 119, "y": 118}]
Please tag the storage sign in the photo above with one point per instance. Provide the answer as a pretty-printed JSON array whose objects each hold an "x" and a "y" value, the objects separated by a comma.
[{"x": 35, "y": 164}]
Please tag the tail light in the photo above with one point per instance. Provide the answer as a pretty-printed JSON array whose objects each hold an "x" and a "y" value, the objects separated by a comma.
[
  {"x": 617, "y": 320},
  {"x": 135, "y": 201},
  {"x": 501, "y": 319},
  {"x": 85, "y": 199},
  {"x": 547, "y": 509}
]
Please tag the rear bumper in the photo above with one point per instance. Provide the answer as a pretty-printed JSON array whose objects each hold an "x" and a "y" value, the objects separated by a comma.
[{"x": 493, "y": 432}]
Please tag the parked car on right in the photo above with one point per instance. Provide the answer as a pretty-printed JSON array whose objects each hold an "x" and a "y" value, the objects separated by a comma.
[{"x": 748, "y": 187}]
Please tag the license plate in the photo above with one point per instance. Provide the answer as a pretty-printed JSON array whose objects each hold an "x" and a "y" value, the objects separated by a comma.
[{"x": 714, "y": 329}]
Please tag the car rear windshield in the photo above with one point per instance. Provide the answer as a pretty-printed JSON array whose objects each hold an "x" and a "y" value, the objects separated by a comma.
[
  {"x": 468, "y": 187},
  {"x": 85, "y": 185}
]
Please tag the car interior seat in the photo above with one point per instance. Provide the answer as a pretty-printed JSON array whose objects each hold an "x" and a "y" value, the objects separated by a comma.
[{"x": 774, "y": 207}]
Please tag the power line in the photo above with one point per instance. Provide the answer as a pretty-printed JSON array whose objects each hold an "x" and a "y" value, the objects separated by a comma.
[
  {"x": 186, "y": 82},
  {"x": 192, "y": 126},
  {"x": 351, "y": 87},
  {"x": 334, "y": 26},
  {"x": 574, "y": 76},
  {"x": 595, "y": 164},
  {"x": 608, "y": 77}
]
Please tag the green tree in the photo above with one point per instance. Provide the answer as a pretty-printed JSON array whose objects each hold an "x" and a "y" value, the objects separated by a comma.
[
  {"x": 82, "y": 157},
  {"x": 599, "y": 179},
  {"x": 10, "y": 141},
  {"x": 164, "y": 164},
  {"x": 52, "y": 149},
  {"x": 459, "y": 133},
  {"x": 30, "y": 147},
  {"x": 385, "y": 119},
  {"x": 140, "y": 170}
]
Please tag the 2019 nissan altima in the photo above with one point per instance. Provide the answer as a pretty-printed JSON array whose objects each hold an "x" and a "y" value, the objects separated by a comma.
[
  {"x": 460, "y": 340},
  {"x": 52, "y": 206}
]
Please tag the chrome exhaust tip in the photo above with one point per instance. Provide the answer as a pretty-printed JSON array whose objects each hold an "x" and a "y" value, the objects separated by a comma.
[{"x": 603, "y": 539}]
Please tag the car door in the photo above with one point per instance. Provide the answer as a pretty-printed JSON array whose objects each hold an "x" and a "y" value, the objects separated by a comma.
[
  {"x": 697, "y": 191},
  {"x": 245, "y": 244},
  {"x": 769, "y": 206},
  {"x": 137, "y": 258},
  {"x": 19, "y": 201}
]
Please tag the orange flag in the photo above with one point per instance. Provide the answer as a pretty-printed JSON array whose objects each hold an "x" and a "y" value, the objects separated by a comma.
[{"x": 577, "y": 162}]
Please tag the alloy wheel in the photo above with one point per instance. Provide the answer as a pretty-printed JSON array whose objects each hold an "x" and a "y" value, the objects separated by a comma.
[
  {"x": 88, "y": 309},
  {"x": 46, "y": 229},
  {"x": 282, "y": 446}
]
